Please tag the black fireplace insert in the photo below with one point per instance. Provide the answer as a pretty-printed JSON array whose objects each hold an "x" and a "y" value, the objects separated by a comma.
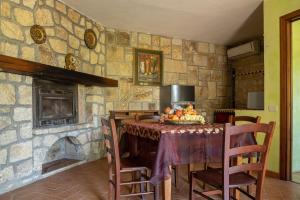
[{"x": 54, "y": 103}]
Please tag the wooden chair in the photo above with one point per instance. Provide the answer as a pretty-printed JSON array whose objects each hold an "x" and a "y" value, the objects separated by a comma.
[
  {"x": 154, "y": 118},
  {"x": 233, "y": 177},
  {"x": 118, "y": 166}
]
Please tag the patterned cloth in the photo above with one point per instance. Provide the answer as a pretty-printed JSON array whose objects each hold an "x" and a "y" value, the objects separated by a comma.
[{"x": 178, "y": 144}]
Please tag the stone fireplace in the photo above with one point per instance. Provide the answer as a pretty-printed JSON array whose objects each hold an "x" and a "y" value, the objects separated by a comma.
[
  {"x": 28, "y": 152},
  {"x": 54, "y": 103}
]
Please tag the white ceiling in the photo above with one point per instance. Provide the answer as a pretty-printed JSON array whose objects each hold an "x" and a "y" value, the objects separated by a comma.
[{"x": 217, "y": 21}]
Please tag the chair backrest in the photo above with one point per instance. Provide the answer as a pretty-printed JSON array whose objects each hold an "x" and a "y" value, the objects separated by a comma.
[
  {"x": 233, "y": 119},
  {"x": 259, "y": 167},
  {"x": 147, "y": 117},
  {"x": 111, "y": 145}
]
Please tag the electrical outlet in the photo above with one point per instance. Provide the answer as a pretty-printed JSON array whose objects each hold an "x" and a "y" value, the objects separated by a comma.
[{"x": 273, "y": 108}]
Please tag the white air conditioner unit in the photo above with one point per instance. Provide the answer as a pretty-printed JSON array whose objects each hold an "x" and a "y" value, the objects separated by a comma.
[{"x": 247, "y": 49}]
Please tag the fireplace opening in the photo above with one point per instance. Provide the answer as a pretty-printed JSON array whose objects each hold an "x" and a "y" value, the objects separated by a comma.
[
  {"x": 65, "y": 151},
  {"x": 54, "y": 103}
]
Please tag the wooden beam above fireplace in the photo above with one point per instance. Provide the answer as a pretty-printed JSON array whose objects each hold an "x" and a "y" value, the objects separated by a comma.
[{"x": 47, "y": 72}]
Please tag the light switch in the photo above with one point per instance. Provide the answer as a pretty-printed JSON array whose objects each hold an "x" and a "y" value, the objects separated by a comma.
[{"x": 273, "y": 108}]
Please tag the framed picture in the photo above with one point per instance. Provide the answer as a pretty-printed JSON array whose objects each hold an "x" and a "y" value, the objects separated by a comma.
[{"x": 148, "y": 67}]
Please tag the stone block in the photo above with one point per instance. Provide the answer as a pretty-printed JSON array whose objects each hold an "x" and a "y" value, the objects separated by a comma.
[
  {"x": 212, "y": 90},
  {"x": 200, "y": 60},
  {"x": 5, "y": 121},
  {"x": 141, "y": 93},
  {"x": 202, "y": 47},
  {"x": 110, "y": 37},
  {"x": 60, "y": 7},
  {"x": 30, "y": 3},
  {"x": 79, "y": 32},
  {"x": 85, "y": 54},
  {"x": 204, "y": 74},
  {"x": 165, "y": 45},
  {"x": 50, "y": 3},
  {"x": 20, "y": 151},
  {"x": 3, "y": 75},
  {"x": 111, "y": 94},
  {"x": 6, "y": 174},
  {"x": 212, "y": 48},
  {"x": 155, "y": 41},
  {"x": 73, "y": 15},
  {"x": 119, "y": 69},
  {"x": 212, "y": 61},
  {"x": 220, "y": 50},
  {"x": 177, "y": 52},
  {"x": 115, "y": 53},
  {"x": 3, "y": 156},
  {"x": 61, "y": 33},
  {"x": 46, "y": 55},
  {"x": 66, "y": 23},
  {"x": 5, "y": 9},
  {"x": 170, "y": 78},
  {"x": 12, "y": 30},
  {"x": 8, "y": 137},
  {"x": 74, "y": 42},
  {"x": 94, "y": 99},
  {"x": 28, "y": 53},
  {"x": 44, "y": 17},
  {"x": 24, "y": 168},
  {"x": 134, "y": 39},
  {"x": 7, "y": 94},
  {"x": 123, "y": 38},
  {"x": 175, "y": 66},
  {"x": 22, "y": 114},
  {"x": 15, "y": 77},
  {"x": 221, "y": 91},
  {"x": 144, "y": 40},
  {"x": 26, "y": 130},
  {"x": 25, "y": 95},
  {"x": 94, "y": 58},
  {"x": 192, "y": 78},
  {"x": 9, "y": 49},
  {"x": 135, "y": 106},
  {"x": 109, "y": 106},
  {"x": 58, "y": 45},
  {"x": 82, "y": 138},
  {"x": 216, "y": 75},
  {"x": 49, "y": 140},
  {"x": 38, "y": 158},
  {"x": 23, "y": 17}
]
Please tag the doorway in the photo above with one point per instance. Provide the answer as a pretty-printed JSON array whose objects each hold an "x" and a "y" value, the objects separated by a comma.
[
  {"x": 287, "y": 112},
  {"x": 295, "y": 45}
]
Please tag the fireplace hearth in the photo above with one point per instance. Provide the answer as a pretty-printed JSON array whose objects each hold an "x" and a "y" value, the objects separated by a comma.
[{"x": 54, "y": 103}]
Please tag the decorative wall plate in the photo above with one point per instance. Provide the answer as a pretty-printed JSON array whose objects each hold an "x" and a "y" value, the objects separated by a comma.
[
  {"x": 90, "y": 38},
  {"x": 38, "y": 34},
  {"x": 71, "y": 62}
]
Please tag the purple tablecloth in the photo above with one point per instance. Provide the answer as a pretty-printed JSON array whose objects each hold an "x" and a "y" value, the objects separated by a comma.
[{"x": 180, "y": 144}]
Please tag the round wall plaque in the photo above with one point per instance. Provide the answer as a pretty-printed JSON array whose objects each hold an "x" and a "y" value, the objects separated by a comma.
[
  {"x": 71, "y": 62},
  {"x": 90, "y": 38},
  {"x": 38, "y": 34}
]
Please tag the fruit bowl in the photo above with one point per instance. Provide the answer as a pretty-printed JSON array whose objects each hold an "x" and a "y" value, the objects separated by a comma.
[{"x": 182, "y": 122}]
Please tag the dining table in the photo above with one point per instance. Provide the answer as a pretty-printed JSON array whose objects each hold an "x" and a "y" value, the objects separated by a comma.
[{"x": 178, "y": 144}]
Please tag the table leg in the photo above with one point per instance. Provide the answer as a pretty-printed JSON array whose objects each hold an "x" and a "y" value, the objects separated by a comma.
[{"x": 167, "y": 188}]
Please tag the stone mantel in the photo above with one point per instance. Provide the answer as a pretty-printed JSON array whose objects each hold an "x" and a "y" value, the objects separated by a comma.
[{"x": 23, "y": 67}]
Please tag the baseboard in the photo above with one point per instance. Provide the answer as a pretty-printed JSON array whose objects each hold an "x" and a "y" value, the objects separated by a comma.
[{"x": 272, "y": 174}]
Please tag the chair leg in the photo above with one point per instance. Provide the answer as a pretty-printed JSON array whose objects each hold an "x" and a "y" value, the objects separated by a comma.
[
  {"x": 111, "y": 191},
  {"x": 143, "y": 173},
  {"x": 192, "y": 184},
  {"x": 175, "y": 175},
  {"x": 156, "y": 192}
]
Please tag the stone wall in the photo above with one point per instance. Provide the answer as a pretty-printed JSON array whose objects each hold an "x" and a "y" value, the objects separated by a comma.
[
  {"x": 250, "y": 78},
  {"x": 185, "y": 62},
  {"x": 22, "y": 149}
]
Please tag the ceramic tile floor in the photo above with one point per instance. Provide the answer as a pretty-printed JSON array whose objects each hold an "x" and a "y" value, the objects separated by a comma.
[{"x": 89, "y": 182}]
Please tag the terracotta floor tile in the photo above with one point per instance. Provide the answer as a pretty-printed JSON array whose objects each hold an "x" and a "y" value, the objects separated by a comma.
[{"x": 89, "y": 182}]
